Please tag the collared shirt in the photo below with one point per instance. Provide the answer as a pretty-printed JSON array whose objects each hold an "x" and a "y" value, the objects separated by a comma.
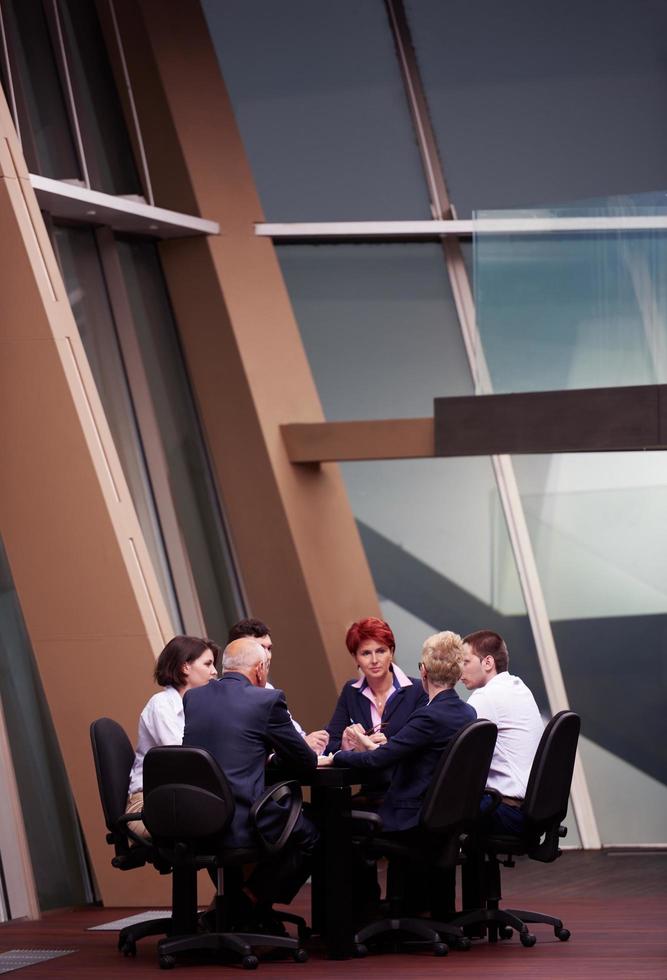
[
  {"x": 161, "y": 723},
  {"x": 296, "y": 724},
  {"x": 399, "y": 679},
  {"x": 506, "y": 701}
]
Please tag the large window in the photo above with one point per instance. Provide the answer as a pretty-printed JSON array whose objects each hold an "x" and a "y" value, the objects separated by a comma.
[
  {"x": 59, "y": 83},
  {"x": 512, "y": 106},
  {"x": 119, "y": 300}
]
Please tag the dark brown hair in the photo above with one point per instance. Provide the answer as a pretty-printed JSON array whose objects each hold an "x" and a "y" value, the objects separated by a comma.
[
  {"x": 248, "y": 627},
  {"x": 182, "y": 650},
  {"x": 486, "y": 643}
]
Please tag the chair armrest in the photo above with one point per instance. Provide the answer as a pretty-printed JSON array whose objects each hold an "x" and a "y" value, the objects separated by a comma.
[
  {"x": 366, "y": 822},
  {"x": 128, "y": 818},
  {"x": 547, "y": 850},
  {"x": 288, "y": 788}
]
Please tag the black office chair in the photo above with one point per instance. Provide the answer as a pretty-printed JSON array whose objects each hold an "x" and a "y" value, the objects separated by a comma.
[
  {"x": 544, "y": 807},
  {"x": 449, "y": 811},
  {"x": 188, "y": 806},
  {"x": 113, "y": 755}
]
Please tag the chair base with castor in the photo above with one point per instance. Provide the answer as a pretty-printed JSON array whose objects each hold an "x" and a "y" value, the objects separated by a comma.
[
  {"x": 403, "y": 933},
  {"x": 130, "y": 935},
  {"x": 184, "y": 938},
  {"x": 502, "y": 923},
  {"x": 449, "y": 809}
]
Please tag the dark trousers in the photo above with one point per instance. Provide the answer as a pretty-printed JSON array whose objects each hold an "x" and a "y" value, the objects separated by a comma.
[
  {"x": 279, "y": 878},
  {"x": 505, "y": 819},
  {"x": 416, "y": 887}
]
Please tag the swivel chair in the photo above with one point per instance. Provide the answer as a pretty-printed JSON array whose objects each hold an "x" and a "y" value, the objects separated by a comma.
[
  {"x": 544, "y": 808},
  {"x": 113, "y": 756},
  {"x": 188, "y": 806},
  {"x": 449, "y": 811}
]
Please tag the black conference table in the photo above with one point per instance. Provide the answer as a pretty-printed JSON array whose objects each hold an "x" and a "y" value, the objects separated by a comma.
[{"x": 331, "y": 802}]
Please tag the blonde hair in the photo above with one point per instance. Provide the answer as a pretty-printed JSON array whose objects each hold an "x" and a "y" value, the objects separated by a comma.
[{"x": 442, "y": 656}]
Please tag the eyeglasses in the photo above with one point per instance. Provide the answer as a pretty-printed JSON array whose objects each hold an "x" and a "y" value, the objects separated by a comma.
[
  {"x": 420, "y": 665},
  {"x": 374, "y": 729}
]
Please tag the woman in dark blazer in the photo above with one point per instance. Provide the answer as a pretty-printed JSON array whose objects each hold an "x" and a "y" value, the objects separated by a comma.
[{"x": 383, "y": 697}]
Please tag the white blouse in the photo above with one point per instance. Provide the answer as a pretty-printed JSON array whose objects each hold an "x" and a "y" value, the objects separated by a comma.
[{"x": 162, "y": 722}]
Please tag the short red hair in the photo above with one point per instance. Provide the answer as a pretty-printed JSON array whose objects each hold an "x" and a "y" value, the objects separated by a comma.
[{"x": 370, "y": 628}]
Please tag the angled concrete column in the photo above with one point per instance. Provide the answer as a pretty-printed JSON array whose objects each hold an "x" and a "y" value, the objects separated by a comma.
[{"x": 295, "y": 538}]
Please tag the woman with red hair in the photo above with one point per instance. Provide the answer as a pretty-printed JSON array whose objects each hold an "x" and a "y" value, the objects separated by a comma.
[{"x": 383, "y": 698}]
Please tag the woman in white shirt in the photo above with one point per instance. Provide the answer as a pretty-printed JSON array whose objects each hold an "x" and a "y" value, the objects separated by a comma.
[{"x": 185, "y": 662}]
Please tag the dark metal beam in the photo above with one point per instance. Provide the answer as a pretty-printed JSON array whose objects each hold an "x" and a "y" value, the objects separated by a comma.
[{"x": 583, "y": 420}]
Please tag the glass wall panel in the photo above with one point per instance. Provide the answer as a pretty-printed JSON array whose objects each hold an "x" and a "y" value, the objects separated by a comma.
[
  {"x": 190, "y": 481},
  {"x": 87, "y": 294},
  {"x": 588, "y": 310},
  {"x": 107, "y": 147},
  {"x": 319, "y": 100},
  {"x": 536, "y": 104},
  {"x": 573, "y": 310},
  {"x": 380, "y": 329},
  {"x": 49, "y": 813},
  {"x": 43, "y": 120},
  {"x": 598, "y": 529}
]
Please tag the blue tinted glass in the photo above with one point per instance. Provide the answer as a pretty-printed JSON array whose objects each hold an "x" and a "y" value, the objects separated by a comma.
[
  {"x": 319, "y": 100},
  {"x": 542, "y": 103},
  {"x": 573, "y": 309},
  {"x": 597, "y": 527},
  {"x": 382, "y": 336}
]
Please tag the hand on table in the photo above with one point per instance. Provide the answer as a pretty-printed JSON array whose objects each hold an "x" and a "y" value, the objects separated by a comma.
[
  {"x": 324, "y": 760},
  {"x": 318, "y": 741}
]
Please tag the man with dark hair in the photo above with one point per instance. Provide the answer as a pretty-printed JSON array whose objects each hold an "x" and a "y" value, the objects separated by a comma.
[
  {"x": 505, "y": 700},
  {"x": 258, "y": 630}
]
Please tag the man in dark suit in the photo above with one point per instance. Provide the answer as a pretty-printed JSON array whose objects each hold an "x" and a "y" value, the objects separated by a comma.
[
  {"x": 417, "y": 748},
  {"x": 240, "y": 722}
]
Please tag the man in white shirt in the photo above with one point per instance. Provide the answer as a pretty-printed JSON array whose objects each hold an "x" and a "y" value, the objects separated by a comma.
[{"x": 505, "y": 700}]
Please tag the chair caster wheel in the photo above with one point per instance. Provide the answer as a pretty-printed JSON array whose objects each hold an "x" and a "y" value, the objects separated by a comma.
[
  {"x": 527, "y": 939},
  {"x": 463, "y": 943},
  {"x": 505, "y": 932},
  {"x": 360, "y": 950},
  {"x": 129, "y": 948},
  {"x": 300, "y": 956},
  {"x": 167, "y": 962},
  {"x": 440, "y": 949},
  {"x": 250, "y": 962},
  {"x": 563, "y": 934}
]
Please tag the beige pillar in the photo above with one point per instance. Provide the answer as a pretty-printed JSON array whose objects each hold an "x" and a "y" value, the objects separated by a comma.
[{"x": 299, "y": 552}]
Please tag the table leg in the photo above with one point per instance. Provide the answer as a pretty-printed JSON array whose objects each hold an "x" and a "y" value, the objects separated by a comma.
[{"x": 332, "y": 873}]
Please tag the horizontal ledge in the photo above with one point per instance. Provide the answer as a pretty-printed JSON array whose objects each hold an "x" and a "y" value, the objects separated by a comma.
[
  {"x": 363, "y": 229},
  {"x": 337, "y": 442},
  {"x": 568, "y": 421},
  {"x": 573, "y": 421},
  {"x": 477, "y": 226},
  {"x": 64, "y": 200}
]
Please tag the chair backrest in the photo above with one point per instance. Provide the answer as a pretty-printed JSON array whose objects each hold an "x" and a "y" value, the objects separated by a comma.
[
  {"x": 452, "y": 801},
  {"x": 550, "y": 777},
  {"x": 186, "y": 794},
  {"x": 113, "y": 755}
]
